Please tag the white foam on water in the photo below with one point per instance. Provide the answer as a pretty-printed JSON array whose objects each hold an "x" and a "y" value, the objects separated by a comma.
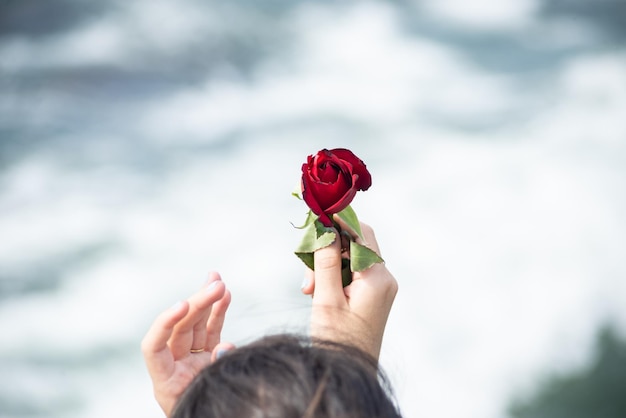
[{"x": 484, "y": 14}]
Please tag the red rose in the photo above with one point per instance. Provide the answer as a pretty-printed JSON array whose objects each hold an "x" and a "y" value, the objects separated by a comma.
[{"x": 330, "y": 180}]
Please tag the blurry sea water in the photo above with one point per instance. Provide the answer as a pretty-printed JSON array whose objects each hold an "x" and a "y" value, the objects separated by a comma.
[{"x": 145, "y": 143}]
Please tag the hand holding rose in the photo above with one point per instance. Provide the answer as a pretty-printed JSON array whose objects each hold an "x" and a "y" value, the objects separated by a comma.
[
  {"x": 356, "y": 314},
  {"x": 330, "y": 180}
]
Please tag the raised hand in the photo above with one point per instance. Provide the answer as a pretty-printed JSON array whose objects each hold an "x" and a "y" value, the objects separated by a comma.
[
  {"x": 356, "y": 314},
  {"x": 185, "y": 339}
]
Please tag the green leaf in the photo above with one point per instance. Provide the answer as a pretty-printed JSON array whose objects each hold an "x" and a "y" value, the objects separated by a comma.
[
  {"x": 316, "y": 236},
  {"x": 362, "y": 258},
  {"x": 349, "y": 217},
  {"x": 321, "y": 229},
  {"x": 312, "y": 242},
  {"x": 307, "y": 258}
]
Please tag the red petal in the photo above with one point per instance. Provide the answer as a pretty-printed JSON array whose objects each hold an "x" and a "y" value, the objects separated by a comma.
[
  {"x": 328, "y": 172},
  {"x": 325, "y": 220},
  {"x": 364, "y": 180},
  {"x": 327, "y": 194},
  {"x": 307, "y": 195},
  {"x": 342, "y": 203}
]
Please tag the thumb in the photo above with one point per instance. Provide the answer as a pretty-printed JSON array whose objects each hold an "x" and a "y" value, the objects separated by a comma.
[{"x": 328, "y": 286}]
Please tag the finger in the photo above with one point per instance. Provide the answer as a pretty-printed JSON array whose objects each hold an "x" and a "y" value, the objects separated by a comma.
[
  {"x": 214, "y": 292},
  {"x": 190, "y": 332},
  {"x": 216, "y": 321},
  {"x": 157, "y": 355},
  {"x": 373, "y": 284},
  {"x": 328, "y": 287},
  {"x": 200, "y": 327},
  {"x": 220, "y": 350},
  {"x": 369, "y": 238},
  {"x": 308, "y": 282}
]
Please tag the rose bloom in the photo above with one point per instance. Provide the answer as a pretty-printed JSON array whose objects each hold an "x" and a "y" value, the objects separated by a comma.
[{"x": 330, "y": 180}]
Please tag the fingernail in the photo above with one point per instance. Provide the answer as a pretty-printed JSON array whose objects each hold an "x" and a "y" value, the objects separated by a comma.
[
  {"x": 212, "y": 285},
  {"x": 176, "y": 306},
  {"x": 305, "y": 283},
  {"x": 221, "y": 352}
]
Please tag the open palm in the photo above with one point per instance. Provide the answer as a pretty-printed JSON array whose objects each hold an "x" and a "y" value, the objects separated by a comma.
[{"x": 185, "y": 339}]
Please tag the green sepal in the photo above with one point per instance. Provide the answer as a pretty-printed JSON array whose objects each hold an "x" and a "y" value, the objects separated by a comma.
[
  {"x": 316, "y": 236},
  {"x": 348, "y": 216},
  {"x": 321, "y": 229},
  {"x": 310, "y": 219},
  {"x": 297, "y": 192},
  {"x": 362, "y": 258}
]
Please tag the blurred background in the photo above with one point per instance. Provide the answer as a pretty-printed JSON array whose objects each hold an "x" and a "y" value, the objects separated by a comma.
[{"x": 145, "y": 143}]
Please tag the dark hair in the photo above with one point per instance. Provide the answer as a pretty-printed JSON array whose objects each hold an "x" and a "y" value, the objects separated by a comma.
[{"x": 286, "y": 376}]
